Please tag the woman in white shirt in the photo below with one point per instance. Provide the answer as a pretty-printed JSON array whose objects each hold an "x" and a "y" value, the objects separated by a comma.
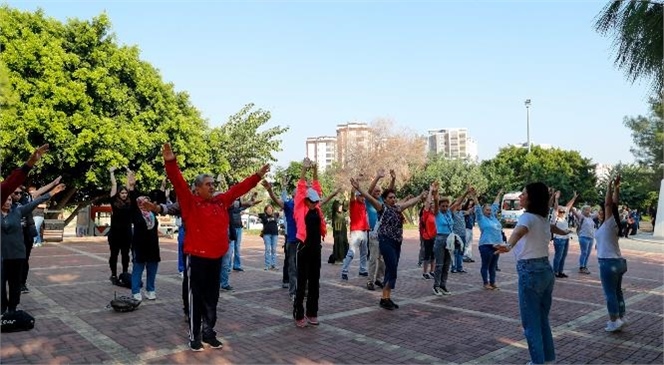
[
  {"x": 530, "y": 240},
  {"x": 612, "y": 266},
  {"x": 561, "y": 242}
]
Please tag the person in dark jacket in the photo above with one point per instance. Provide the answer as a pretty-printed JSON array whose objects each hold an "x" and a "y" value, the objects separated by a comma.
[
  {"x": 13, "y": 248},
  {"x": 145, "y": 244}
]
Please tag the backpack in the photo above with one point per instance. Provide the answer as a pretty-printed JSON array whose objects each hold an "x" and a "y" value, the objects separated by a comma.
[
  {"x": 123, "y": 304},
  {"x": 17, "y": 321}
]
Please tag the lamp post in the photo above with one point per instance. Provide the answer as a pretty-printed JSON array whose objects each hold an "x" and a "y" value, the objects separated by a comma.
[{"x": 527, "y": 102}]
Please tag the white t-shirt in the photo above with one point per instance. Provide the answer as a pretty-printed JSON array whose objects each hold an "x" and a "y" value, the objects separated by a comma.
[
  {"x": 606, "y": 237},
  {"x": 561, "y": 222},
  {"x": 535, "y": 243},
  {"x": 587, "y": 225}
]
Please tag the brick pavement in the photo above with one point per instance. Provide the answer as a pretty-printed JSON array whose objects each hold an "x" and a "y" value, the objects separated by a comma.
[{"x": 70, "y": 289}]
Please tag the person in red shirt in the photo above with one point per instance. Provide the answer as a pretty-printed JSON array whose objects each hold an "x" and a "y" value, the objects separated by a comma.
[
  {"x": 428, "y": 230},
  {"x": 17, "y": 177},
  {"x": 359, "y": 228},
  {"x": 205, "y": 214}
]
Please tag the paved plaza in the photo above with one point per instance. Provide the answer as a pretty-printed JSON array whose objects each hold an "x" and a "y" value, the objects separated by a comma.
[{"x": 70, "y": 290}]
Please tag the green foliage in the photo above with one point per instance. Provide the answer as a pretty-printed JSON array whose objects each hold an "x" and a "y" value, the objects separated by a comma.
[
  {"x": 99, "y": 105},
  {"x": 566, "y": 171},
  {"x": 454, "y": 177},
  {"x": 648, "y": 136},
  {"x": 636, "y": 28},
  {"x": 638, "y": 188}
]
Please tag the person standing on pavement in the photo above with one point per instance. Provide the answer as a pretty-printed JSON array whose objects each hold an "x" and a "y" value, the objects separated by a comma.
[
  {"x": 469, "y": 215},
  {"x": 376, "y": 263},
  {"x": 359, "y": 226},
  {"x": 206, "y": 217},
  {"x": 560, "y": 242}
]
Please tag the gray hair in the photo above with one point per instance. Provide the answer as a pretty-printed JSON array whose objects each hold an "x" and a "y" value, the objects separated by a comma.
[{"x": 200, "y": 178}]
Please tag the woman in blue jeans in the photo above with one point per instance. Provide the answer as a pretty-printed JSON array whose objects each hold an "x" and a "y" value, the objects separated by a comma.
[
  {"x": 270, "y": 234},
  {"x": 390, "y": 235},
  {"x": 561, "y": 242},
  {"x": 490, "y": 236},
  {"x": 145, "y": 248},
  {"x": 612, "y": 266},
  {"x": 530, "y": 240}
]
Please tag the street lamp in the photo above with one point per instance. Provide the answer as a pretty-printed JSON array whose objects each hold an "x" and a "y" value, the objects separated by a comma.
[{"x": 528, "y": 122}]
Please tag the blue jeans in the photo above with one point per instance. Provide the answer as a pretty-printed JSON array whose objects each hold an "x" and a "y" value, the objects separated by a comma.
[
  {"x": 181, "y": 249},
  {"x": 457, "y": 260},
  {"x": 225, "y": 269},
  {"x": 535, "y": 291},
  {"x": 39, "y": 220},
  {"x": 611, "y": 272},
  {"x": 391, "y": 251},
  {"x": 489, "y": 264},
  {"x": 560, "y": 246},
  {"x": 235, "y": 249},
  {"x": 358, "y": 244},
  {"x": 137, "y": 273},
  {"x": 270, "y": 241},
  {"x": 586, "y": 244}
]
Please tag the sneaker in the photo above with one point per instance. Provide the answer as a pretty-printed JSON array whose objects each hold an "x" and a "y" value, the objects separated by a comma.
[
  {"x": 497, "y": 269},
  {"x": 395, "y": 305},
  {"x": 462, "y": 271},
  {"x": 196, "y": 345},
  {"x": 213, "y": 343},
  {"x": 24, "y": 289},
  {"x": 437, "y": 291},
  {"x": 227, "y": 288},
  {"x": 113, "y": 279},
  {"x": 494, "y": 287},
  {"x": 137, "y": 296},
  {"x": 284, "y": 285},
  {"x": 266, "y": 268},
  {"x": 181, "y": 274},
  {"x": 151, "y": 295},
  {"x": 584, "y": 270},
  {"x": 238, "y": 269},
  {"x": 465, "y": 259},
  {"x": 344, "y": 277},
  {"x": 453, "y": 271},
  {"x": 445, "y": 291},
  {"x": 386, "y": 304},
  {"x": 426, "y": 276},
  {"x": 563, "y": 275},
  {"x": 312, "y": 320},
  {"x": 432, "y": 274},
  {"x": 379, "y": 284},
  {"x": 419, "y": 264},
  {"x": 371, "y": 286},
  {"x": 292, "y": 297},
  {"x": 488, "y": 287},
  {"x": 301, "y": 323},
  {"x": 614, "y": 326},
  {"x": 365, "y": 274}
]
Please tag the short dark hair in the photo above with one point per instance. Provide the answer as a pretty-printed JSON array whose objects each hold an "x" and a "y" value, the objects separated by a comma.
[
  {"x": 387, "y": 192},
  {"x": 538, "y": 199}
]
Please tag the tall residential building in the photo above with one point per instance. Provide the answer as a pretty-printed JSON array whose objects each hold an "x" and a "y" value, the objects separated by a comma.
[
  {"x": 453, "y": 143},
  {"x": 322, "y": 150},
  {"x": 351, "y": 138}
]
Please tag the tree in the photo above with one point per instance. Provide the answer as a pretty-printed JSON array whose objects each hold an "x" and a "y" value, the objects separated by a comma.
[
  {"x": 648, "y": 137},
  {"x": 563, "y": 170},
  {"x": 239, "y": 149},
  {"x": 636, "y": 27},
  {"x": 453, "y": 175}
]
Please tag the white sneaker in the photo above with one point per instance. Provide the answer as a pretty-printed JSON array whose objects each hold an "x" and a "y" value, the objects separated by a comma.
[
  {"x": 137, "y": 296},
  {"x": 613, "y": 326},
  {"x": 624, "y": 321},
  {"x": 151, "y": 295}
]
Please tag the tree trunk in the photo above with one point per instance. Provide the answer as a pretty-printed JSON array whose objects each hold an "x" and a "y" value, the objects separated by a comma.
[{"x": 80, "y": 206}]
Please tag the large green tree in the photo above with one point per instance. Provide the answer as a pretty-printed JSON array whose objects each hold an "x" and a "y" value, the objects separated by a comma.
[
  {"x": 453, "y": 175},
  {"x": 99, "y": 105},
  {"x": 563, "y": 170},
  {"x": 636, "y": 27}
]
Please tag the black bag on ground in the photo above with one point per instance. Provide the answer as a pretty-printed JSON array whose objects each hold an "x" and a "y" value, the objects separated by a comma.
[
  {"x": 17, "y": 321},
  {"x": 124, "y": 304}
]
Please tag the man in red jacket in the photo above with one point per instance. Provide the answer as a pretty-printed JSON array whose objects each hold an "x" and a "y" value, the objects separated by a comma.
[{"x": 205, "y": 214}]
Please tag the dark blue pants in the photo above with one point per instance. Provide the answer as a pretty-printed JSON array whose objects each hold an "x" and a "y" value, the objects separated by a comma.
[{"x": 391, "y": 251}]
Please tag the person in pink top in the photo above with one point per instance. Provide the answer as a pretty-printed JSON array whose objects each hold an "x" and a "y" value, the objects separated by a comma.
[{"x": 311, "y": 230}]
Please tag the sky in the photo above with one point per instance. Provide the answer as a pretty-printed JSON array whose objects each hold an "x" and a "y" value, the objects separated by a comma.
[{"x": 424, "y": 65}]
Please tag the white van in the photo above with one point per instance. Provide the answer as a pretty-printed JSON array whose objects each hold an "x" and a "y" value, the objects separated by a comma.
[{"x": 510, "y": 209}]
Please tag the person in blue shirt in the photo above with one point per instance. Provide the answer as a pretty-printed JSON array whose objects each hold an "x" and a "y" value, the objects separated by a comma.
[
  {"x": 444, "y": 226},
  {"x": 490, "y": 235}
]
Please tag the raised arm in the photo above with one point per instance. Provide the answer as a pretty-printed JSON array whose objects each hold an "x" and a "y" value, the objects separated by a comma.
[
  {"x": 379, "y": 175},
  {"x": 570, "y": 203},
  {"x": 131, "y": 180},
  {"x": 497, "y": 199},
  {"x": 608, "y": 199},
  {"x": 273, "y": 196},
  {"x": 114, "y": 184},
  {"x": 376, "y": 204},
  {"x": 46, "y": 187},
  {"x": 28, "y": 208},
  {"x": 180, "y": 186},
  {"x": 409, "y": 203},
  {"x": 616, "y": 189},
  {"x": 330, "y": 197},
  {"x": 393, "y": 179},
  {"x": 17, "y": 177},
  {"x": 457, "y": 203}
]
